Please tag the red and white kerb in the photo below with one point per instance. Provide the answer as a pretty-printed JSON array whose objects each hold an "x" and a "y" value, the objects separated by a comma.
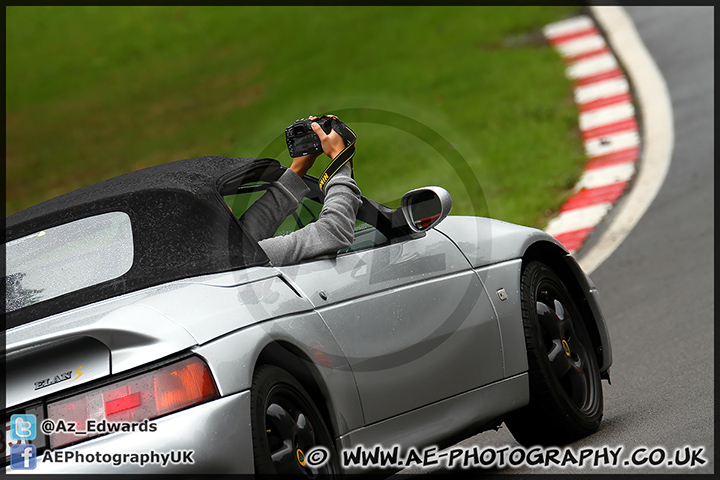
[{"x": 607, "y": 123}]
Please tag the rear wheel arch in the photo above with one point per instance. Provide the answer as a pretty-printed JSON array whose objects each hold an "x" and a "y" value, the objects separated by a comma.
[
  {"x": 294, "y": 361},
  {"x": 556, "y": 258}
]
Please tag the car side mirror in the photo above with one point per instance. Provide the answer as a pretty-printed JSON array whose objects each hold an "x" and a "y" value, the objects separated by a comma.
[{"x": 423, "y": 208}]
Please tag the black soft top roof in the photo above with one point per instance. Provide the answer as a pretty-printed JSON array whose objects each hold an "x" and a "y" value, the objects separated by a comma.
[{"x": 181, "y": 226}]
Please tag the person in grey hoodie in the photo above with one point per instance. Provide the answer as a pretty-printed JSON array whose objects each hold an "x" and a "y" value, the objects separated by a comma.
[{"x": 334, "y": 228}]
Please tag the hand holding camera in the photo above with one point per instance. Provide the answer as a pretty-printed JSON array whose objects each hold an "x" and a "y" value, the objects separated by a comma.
[{"x": 308, "y": 137}]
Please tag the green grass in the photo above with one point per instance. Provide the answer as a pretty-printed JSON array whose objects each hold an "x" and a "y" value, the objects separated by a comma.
[{"x": 454, "y": 96}]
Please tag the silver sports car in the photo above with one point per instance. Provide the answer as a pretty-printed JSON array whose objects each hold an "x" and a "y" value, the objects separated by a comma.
[{"x": 147, "y": 332}]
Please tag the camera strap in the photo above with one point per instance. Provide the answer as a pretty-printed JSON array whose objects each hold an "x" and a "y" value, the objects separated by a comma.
[{"x": 346, "y": 156}]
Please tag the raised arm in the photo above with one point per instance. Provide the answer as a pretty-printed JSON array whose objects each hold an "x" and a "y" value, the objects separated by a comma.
[{"x": 334, "y": 228}]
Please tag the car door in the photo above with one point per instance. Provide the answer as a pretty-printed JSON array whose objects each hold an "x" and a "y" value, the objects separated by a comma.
[
  {"x": 412, "y": 318},
  {"x": 410, "y": 314}
]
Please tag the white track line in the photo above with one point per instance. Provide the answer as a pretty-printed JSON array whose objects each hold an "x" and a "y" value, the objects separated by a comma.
[{"x": 658, "y": 134}]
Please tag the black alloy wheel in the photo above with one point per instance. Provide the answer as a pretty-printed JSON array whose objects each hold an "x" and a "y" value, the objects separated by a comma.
[
  {"x": 566, "y": 401},
  {"x": 286, "y": 427}
]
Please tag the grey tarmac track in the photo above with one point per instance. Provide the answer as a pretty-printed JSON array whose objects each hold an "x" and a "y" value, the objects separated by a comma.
[{"x": 658, "y": 285}]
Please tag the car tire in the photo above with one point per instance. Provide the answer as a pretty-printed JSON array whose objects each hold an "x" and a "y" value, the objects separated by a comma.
[
  {"x": 286, "y": 426},
  {"x": 566, "y": 400}
]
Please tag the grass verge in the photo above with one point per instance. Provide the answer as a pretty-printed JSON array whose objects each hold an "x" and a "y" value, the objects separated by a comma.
[{"x": 93, "y": 92}]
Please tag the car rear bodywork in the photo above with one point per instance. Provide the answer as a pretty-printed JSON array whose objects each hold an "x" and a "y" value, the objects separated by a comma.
[{"x": 410, "y": 343}]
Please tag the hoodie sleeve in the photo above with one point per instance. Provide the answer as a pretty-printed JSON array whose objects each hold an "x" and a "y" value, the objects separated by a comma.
[
  {"x": 333, "y": 230},
  {"x": 265, "y": 216}
]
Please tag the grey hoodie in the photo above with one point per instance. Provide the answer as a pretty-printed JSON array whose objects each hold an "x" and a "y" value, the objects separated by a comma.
[{"x": 332, "y": 231}]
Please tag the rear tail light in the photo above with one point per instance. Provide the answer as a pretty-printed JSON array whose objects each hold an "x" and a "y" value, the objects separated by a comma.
[{"x": 150, "y": 395}]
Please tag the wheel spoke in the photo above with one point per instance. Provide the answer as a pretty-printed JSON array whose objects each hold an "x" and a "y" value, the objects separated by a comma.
[
  {"x": 285, "y": 461},
  {"x": 559, "y": 361},
  {"x": 290, "y": 429},
  {"x": 280, "y": 422},
  {"x": 549, "y": 322},
  {"x": 289, "y": 425},
  {"x": 559, "y": 310},
  {"x": 577, "y": 382},
  {"x": 577, "y": 348},
  {"x": 305, "y": 438},
  {"x": 578, "y": 388}
]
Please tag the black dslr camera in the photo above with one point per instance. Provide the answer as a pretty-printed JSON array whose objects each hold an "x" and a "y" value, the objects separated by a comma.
[{"x": 301, "y": 140}]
